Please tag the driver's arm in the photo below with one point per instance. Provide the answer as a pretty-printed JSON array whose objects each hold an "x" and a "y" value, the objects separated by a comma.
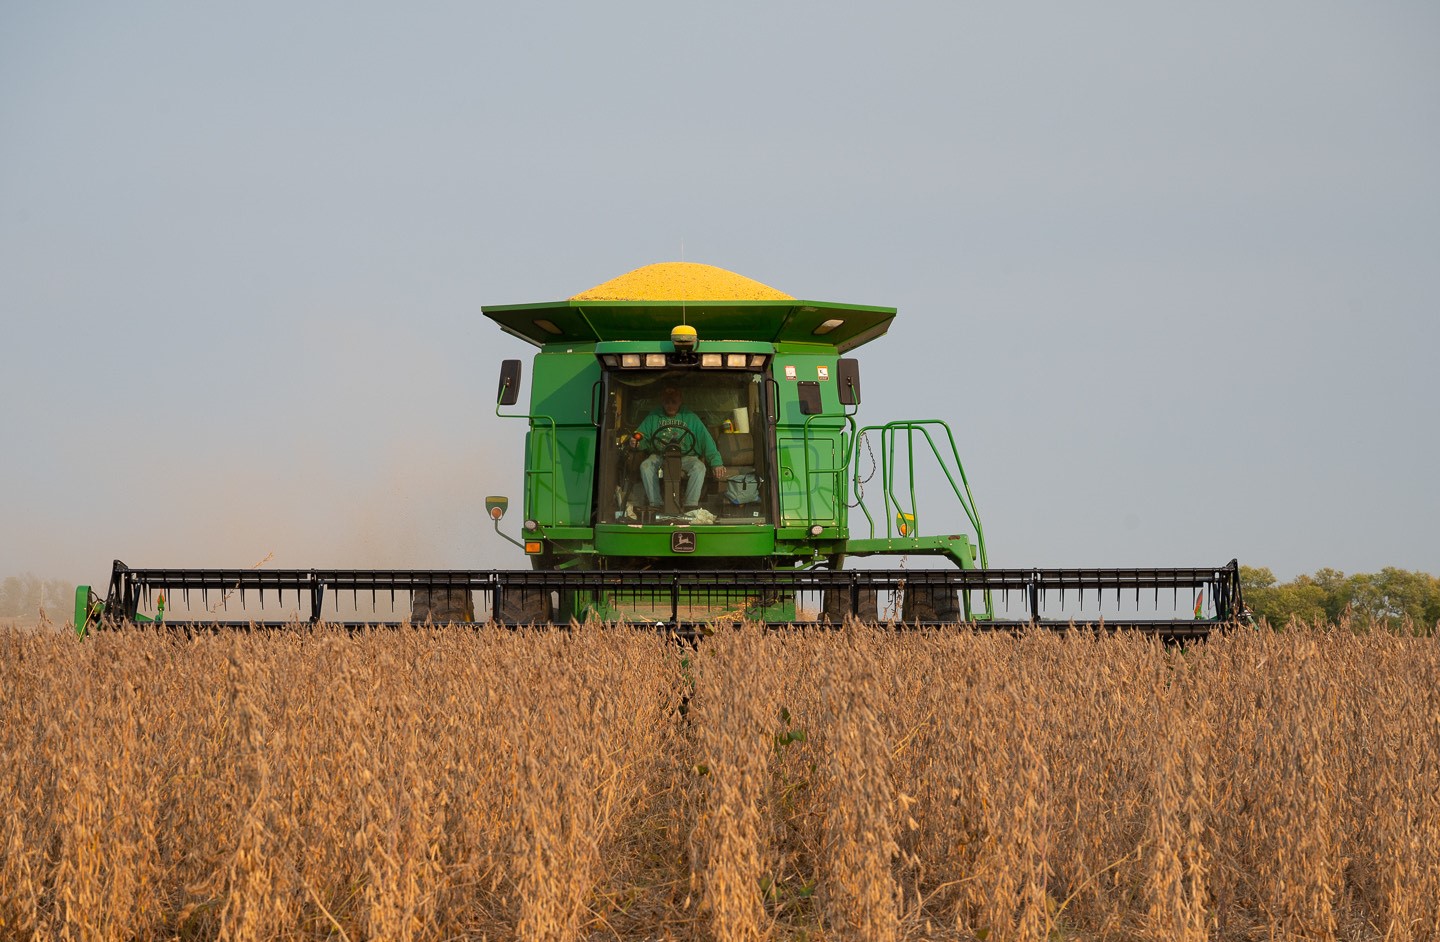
[
  {"x": 645, "y": 430},
  {"x": 704, "y": 442}
]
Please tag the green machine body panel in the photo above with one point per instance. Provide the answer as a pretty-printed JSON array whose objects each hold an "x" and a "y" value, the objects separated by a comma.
[
  {"x": 812, "y": 447},
  {"x": 709, "y": 541},
  {"x": 560, "y": 447},
  {"x": 809, "y": 481}
]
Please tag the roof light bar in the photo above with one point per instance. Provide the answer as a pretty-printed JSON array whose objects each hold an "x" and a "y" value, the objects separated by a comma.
[{"x": 708, "y": 361}]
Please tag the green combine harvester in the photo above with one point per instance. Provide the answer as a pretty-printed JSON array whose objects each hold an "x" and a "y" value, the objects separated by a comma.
[{"x": 695, "y": 456}]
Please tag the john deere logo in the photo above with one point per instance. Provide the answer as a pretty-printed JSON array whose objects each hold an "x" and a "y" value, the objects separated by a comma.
[{"x": 682, "y": 541}]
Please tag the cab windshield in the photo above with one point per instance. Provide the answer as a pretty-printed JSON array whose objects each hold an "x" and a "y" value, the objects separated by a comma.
[{"x": 683, "y": 447}]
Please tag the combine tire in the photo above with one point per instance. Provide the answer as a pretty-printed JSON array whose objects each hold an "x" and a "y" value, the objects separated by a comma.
[
  {"x": 526, "y": 607},
  {"x": 534, "y": 606},
  {"x": 925, "y": 603},
  {"x": 837, "y": 605},
  {"x": 441, "y": 606}
]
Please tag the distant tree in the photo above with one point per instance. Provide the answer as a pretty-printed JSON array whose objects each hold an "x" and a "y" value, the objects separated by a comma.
[
  {"x": 1329, "y": 595},
  {"x": 1336, "y": 588},
  {"x": 1255, "y": 577},
  {"x": 1396, "y": 593},
  {"x": 1279, "y": 603}
]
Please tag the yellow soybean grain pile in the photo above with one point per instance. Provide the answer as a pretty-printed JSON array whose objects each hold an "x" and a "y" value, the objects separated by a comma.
[{"x": 681, "y": 281}]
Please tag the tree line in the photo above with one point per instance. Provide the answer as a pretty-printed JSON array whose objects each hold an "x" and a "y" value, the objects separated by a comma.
[
  {"x": 23, "y": 596},
  {"x": 1329, "y": 595}
]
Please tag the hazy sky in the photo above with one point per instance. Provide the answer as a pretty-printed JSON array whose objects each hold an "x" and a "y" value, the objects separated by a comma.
[{"x": 1172, "y": 271}]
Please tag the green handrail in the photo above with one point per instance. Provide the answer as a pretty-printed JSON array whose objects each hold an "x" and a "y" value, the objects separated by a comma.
[
  {"x": 840, "y": 492},
  {"x": 889, "y": 438},
  {"x": 553, "y": 470}
]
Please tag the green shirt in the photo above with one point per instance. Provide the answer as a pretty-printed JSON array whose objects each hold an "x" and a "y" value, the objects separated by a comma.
[{"x": 704, "y": 444}]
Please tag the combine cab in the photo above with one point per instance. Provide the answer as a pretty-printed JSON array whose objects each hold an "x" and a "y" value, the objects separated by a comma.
[{"x": 695, "y": 455}]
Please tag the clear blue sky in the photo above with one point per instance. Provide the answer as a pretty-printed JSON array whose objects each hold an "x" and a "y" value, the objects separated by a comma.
[{"x": 1173, "y": 271}]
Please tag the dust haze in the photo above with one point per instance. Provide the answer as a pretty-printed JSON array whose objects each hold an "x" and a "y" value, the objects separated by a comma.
[{"x": 415, "y": 500}]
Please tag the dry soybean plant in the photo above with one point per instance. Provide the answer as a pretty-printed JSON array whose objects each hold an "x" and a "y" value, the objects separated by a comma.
[{"x": 606, "y": 783}]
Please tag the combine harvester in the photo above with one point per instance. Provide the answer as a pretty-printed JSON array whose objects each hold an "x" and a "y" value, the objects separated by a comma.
[{"x": 694, "y": 456}]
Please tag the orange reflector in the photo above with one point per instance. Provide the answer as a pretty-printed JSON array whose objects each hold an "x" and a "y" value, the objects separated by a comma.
[{"x": 532, "y": 546}]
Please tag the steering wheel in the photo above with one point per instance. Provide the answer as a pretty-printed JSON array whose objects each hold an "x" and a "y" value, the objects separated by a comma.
[{"x": 673, "y": 440}]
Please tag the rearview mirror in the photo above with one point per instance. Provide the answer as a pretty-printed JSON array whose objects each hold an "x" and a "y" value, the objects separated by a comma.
[
  {"x": 509, "y": 392},
  {"x": 848, "y": 372}
]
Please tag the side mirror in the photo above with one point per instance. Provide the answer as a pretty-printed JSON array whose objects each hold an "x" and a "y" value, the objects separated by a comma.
[
  {"x": 509, "y": 392},
  {"x": 848, "y": 373},
  {"x": 495, "y": 506}
]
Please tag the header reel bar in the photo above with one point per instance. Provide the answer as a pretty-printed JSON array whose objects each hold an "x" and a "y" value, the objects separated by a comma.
[
  {"x": 130, "y": 588},
  {"x": 669, "y": 599}
]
